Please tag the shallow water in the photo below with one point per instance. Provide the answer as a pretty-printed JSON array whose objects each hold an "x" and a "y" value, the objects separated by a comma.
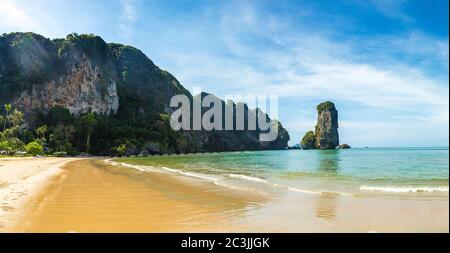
[
  {"x": 394, "y": 172},
  {"x": 93, "y": 196}
]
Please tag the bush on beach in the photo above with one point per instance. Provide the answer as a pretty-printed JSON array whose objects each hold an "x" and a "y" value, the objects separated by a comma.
[{"x": 34, "y": 148}]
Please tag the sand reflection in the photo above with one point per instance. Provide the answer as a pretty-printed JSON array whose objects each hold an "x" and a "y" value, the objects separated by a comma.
[{"x": 326, "y": 206}]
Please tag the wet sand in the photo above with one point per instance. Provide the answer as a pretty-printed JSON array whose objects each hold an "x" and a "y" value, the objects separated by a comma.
[
  {"x": 20, "y": 179},
  {"x": 93, "y": 196}
]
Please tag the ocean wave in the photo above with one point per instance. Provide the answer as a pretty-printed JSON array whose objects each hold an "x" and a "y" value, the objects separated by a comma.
[
  {"x": 141, "y": 168},
  {"x": 248, "y": 178},
  {"x": 216, "y": 180},
  {"x": 302, "y": 190},
  {"x": 295, "y": 189},
  {"x": 171, "y": 170},
  {"x": 405, "y": 189},
  {"x": 132, "y": 166},
  {"x": 219, "y": 180},
  {"x": 110, "y": 161},
  {"x": 199, "y": 176}
]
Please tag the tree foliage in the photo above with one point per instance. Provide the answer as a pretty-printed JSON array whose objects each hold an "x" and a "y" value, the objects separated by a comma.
[
  {"x": 327, "y": 105},
  {"x": 34, "y": 148},
  {"x": 309, "y": 140}
]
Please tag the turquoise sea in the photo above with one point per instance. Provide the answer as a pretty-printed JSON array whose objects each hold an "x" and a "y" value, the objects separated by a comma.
[{"x": 412, "y": 172}]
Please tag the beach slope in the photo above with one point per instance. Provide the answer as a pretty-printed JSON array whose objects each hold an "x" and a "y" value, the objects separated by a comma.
[{"x": 20, "y": 180}]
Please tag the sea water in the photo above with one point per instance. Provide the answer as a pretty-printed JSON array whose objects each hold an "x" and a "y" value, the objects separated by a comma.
[{"x": 412, "y": 172}]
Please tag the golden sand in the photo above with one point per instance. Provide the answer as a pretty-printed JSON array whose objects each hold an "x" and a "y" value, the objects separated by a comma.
[
  {"x": 92, "y": 196},
  {"x": 20, "y": 179}
]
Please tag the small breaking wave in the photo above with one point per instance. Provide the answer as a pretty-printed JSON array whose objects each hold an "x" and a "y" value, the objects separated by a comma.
[
  {"x": 215, "y": 180},
  {"x": 219, "y": 180},
  {"x": 136, "y": 167},
  {"x": 405, "y": 189},
  {"x": 248, "y": 178},
  {"x": 171, "y": 170},
  {"x": 294, "y": 189},
  {"x": 199, "y": 176}
]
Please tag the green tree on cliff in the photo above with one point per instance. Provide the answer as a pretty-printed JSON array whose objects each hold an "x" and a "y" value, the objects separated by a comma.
[
  {"x": 309, "y": 140},
  {"x": 327, "y": 105}
]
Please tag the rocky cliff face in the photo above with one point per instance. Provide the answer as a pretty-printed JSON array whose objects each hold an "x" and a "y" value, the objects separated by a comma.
[
  {"x": 37, "y": 74},
  {"x": 327, "y": 136},
  {"x": 84, "y": 74},
  {"x": 79, "y": 90}
]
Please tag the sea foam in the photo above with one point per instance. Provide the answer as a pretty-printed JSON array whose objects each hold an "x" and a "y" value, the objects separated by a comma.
[
  {"x": 217, "y": 180},
  {"x": 248, "y": 178},
  {"x": 405, "y": 189}
]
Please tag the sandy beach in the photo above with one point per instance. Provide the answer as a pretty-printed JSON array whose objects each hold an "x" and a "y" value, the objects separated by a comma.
[
  {"x": 20, "y": 180},
  {"x": 90, "y": 195}
]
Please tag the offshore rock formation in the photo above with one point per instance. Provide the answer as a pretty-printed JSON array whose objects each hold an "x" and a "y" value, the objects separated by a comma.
[
  {"x": 309, "y": 141},
  {"x": 327, "y": 136},
  {"x": 326, "y": 132},
  {"x": 343, "y": 146},
  {"x": 83, "y": 73}
]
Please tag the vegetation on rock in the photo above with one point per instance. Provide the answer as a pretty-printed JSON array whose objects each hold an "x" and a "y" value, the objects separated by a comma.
[
  {"x": 327, "y": 105},
  {"x": 41, "y": 79},
  {"x": 325, "y": 135},
  {"x": 308, "y": 140}
]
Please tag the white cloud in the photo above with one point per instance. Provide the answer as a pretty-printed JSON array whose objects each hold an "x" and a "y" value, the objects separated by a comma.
[
  {"x": 240, "y": 48},
  {"x": 366, "y": 72},
  {"x": 27, "y": 16},
  {"x": 128, "y": 17},
  {"x": 13, "y": 18}
]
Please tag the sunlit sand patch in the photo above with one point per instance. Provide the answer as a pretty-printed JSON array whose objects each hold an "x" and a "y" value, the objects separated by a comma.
[
  {"x": 114, "y": 199},
  {"x": 20, "y": 179}
]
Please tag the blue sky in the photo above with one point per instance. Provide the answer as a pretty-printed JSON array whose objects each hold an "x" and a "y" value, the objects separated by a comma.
[{"x": 384, "y": 63}]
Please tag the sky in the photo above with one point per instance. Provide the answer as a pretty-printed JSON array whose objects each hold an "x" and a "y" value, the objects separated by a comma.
[{"x": 384, "y": 63}]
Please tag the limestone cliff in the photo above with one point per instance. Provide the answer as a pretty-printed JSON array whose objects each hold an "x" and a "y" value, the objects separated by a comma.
[
  {"x": 83, "y": 73},
  {"x": 327, "y": 136},
  {"x": 79, "y": 91}
]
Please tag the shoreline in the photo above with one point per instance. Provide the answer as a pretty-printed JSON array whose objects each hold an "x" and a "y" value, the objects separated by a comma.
[
  {"x": 360, "y": 188},
  {"x": 86, "y": 195},
  {"x": 92, "y": 196}
]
